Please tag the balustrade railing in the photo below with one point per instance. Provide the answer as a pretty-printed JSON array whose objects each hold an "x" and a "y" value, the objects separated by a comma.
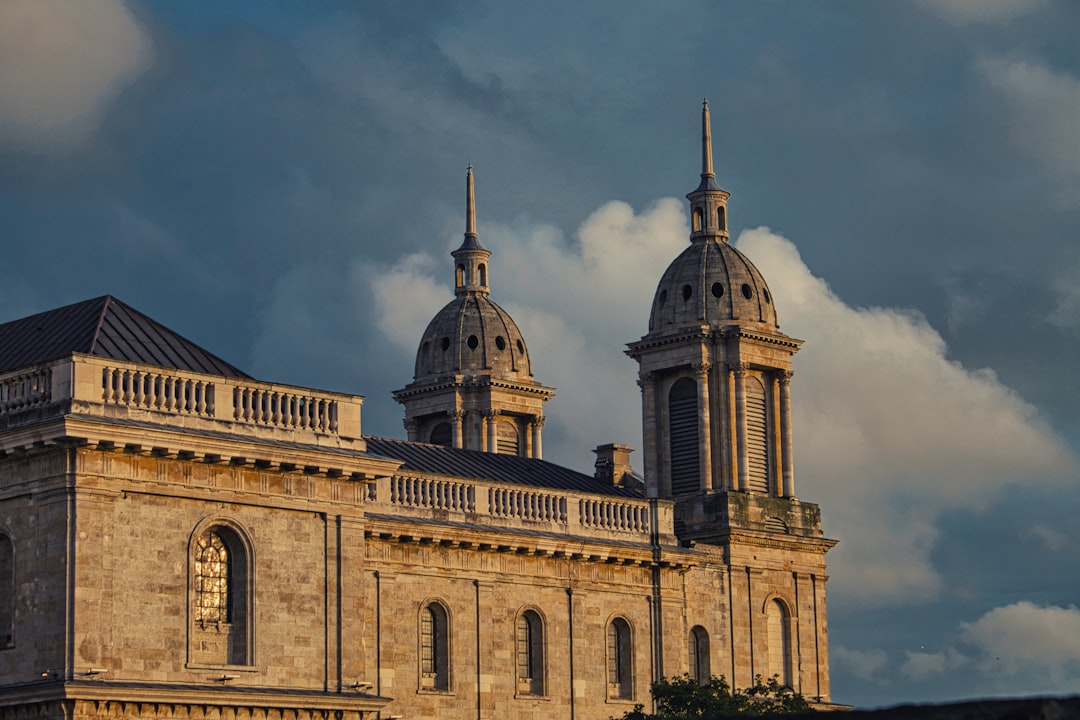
[
  {"x": 157, "y": 391},
  {"x": 284, "y": 409},
  {"x": 433, "y": 494},
  {"x": 614, "y": 515},
  {"x": 526, "y": 504},
  {"x": 25, "y": 390}
]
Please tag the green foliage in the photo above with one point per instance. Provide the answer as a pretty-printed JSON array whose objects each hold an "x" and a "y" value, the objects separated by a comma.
[{"x": 682, "y": 698}]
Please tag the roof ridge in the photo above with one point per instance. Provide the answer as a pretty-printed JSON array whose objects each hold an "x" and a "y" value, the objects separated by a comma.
[{"x": 100, "y": 323}]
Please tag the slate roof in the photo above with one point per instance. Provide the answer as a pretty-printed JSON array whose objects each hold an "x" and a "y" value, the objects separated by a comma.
[
  {"x": 107, "y": 328},
  {"x": 477, "y": 465}
]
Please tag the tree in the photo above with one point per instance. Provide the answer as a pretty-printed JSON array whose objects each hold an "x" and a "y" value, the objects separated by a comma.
[{"x": 682, "y": 698}]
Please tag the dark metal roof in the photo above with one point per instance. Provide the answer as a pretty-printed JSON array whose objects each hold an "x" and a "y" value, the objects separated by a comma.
[
  {"x": 107, "y": 328},
  {"x": 477, "y": 465}
]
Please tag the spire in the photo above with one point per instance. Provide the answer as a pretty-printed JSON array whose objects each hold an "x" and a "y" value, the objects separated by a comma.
[
  {"x": 471, "y": 270},
  {"x": 706, "y": 141},
  {"x": 708, "y": 202},
  {"x": 470, "y": 205}
]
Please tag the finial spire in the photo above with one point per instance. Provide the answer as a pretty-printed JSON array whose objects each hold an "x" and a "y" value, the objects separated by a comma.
[
  {"x": 706, "y": 141},
  {"x": 470, "y": 205}
]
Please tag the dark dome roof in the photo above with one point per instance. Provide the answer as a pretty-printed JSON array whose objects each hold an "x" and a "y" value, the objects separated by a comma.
[
  {"x": 472, "y": 334},
  {"x": 711, "y": 283}
]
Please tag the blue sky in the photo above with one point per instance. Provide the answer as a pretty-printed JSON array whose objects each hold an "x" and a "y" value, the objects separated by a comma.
[{"x": 282, "y": 182}]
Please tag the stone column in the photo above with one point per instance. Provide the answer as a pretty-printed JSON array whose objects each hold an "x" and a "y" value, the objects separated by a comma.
[
  {"x": 704, "y": 426},
  {"x": 456, "y": 419},
  {"x": 743, "y": 481},
  {"x": 527, "y": 435},
  {"x": 412, "y": 428},
  {"x": 647, "y": 383},
  {"x": 492, "y": 430},
  {"x": 482, "y": 440},
  {"x": 788, "y": 459},
  {"x": 776, "y": 441},
  {"x": 538, "y": 446}
]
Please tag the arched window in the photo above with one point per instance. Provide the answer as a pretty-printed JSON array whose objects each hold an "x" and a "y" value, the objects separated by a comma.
[
  {"x": 779, "y": 642},
  {"x": 483, "y": 274},
  {"x": 699, "y": 219},
  {"x": 460, "y": 276},
  {"x": 441, "y": 434},
  {"x": 530, "y": 653},
  {"x": 620, "y": 660},
  {"x": 700, "y": 668},
  {"x": 7, "y": 592},
  {"x": 221, "y": 598},
  {"x": 434, "y": 647},
  {"x": 683, "y": 437},
  {"x": 721, "y": 218},
  {"x": 757, "y": 444}
]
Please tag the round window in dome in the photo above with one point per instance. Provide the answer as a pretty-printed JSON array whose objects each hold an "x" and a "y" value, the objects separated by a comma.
[
  {"x": 663, "y": 296},
  {"x": 717, "y": 290},
  {"x": 473, "y": 342},
  {"x": 687, "y": 291},
  {"x": 500, "y": 343},
  {"x": 765, "y": 296},
  {"x": 521, "y": 347},
  {"x": 747, "y": 292},
  {"x": 445, "y": 344}
]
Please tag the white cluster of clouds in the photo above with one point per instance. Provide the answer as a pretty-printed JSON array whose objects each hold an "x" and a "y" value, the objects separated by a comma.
[
  {"x": 889, "y": 431},
  {"x": 1017, "y": 645},
  {"x": 62, "y": 62}
]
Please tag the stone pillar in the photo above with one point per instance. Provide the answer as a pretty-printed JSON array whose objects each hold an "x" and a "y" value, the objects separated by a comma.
[
  {"x": 491, "y": 416},
  {"x": 412, "y": 428},
  {"x": 647, "y": 383},
  {"x": 786, "y": 454},
  {"x": 704, "y": 426},
  {"x": 527, "y": 435},
  {"x": 456, "y": 419},
  {"x": 776, "y": 442},
  {"x": 538, "y": 445},
  {"x": 483, "y": 439},
  {"x": 743, "y": 463}
]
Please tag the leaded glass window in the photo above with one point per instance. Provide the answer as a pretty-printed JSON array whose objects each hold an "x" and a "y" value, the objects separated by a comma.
[{"x": 211, "y": 579}]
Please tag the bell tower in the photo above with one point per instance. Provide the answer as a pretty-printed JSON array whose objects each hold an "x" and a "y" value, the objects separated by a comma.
[{"x": 472, "y": 386}]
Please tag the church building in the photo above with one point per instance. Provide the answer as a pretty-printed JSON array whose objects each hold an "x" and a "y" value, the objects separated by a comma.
[{"x": 181, "y": 540}]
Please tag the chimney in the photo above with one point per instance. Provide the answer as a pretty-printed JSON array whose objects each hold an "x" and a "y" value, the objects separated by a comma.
[{"x": 613, "y": 464}]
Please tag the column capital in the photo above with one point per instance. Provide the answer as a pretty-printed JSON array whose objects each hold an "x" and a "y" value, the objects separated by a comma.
[
  {"x": 740, "y": 368},
  {"x": 455, "y": 414},
  {"x": 646, "y": 378},
  {"x": 410, "y": 424},
  {"x": 538, "y": 420},
  {"x": 702, "y": 368},
  {"x": 491, "y": 413},
  {"x": 784, "y": 376}
]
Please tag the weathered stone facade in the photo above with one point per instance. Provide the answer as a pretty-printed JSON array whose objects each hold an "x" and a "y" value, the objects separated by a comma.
[{"x": 192, "y": 544}]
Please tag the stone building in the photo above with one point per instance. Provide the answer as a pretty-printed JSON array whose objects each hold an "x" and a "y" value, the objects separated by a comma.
[{"x": 180, "y": 540}]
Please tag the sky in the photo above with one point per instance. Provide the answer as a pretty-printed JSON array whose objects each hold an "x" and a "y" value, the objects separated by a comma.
[{"x": 282, "y": 182}]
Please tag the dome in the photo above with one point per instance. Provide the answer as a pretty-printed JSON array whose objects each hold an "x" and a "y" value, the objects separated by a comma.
[
  {"x": 711, "y": 283},
  {"x": 472, "y": 334}
]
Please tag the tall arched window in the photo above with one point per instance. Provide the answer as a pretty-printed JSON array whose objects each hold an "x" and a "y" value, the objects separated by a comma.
[
  {"x": 530, "y": 653},
  {"x": 620, "y": 660},
  {"x": 483, "y": 274},
  {"x": 700, "y": 668},
  {"x": 699, "y": 218},
  {"x": 779, "y": 642},
  {"x": 721, "y": 218},
  {"x": 434, "y": 647},
  {"x": 221, "y": 598},
  {"x": 683, "y": 437},
  {"x": 757, "y": 444},
  {"x": 460, "y": 275},
  {"x": 7, "y": 592}
]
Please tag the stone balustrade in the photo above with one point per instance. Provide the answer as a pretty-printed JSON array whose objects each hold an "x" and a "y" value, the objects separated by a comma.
[
  {"x": 100, "y": 386},
  {"x": 498, "y": 505}
]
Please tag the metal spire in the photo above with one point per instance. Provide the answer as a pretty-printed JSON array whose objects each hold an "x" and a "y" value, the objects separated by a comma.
[
  {"x": 706, "y": 141},
  {"x": 470, "y": 206}
]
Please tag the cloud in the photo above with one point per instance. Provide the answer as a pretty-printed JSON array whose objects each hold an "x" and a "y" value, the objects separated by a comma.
[
  {"x": 1023, "y": 640},
  {"x": 62, "y": 62},
  {"x": 863, "y": 664},
  {"x": 1042, "y": 107},
  {"x": 890, "y": 432},
  {"x": 976, "y": 12}
]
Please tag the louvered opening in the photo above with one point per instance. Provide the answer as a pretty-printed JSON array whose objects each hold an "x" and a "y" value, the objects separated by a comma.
[
  {"x": 509, "y": 442},
  {"x": 683, "y": 437},
  {"x": 757, "y": 448},
  {"x": 441, "y": 434}
]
